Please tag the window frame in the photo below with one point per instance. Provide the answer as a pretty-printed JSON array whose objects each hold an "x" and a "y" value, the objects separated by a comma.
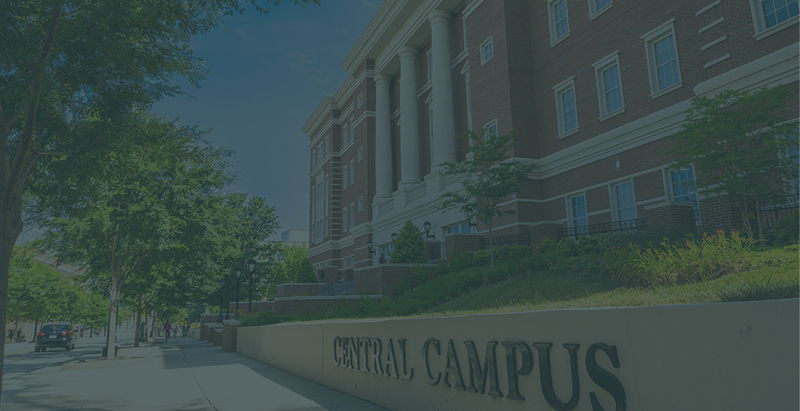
[
  {"x": 599, "y": 68},
  {"x": 345, "y": 135},
  {"x": 488, "y": 43},
  {"x": 429, "y": 55},
  {"x": 360, "y": 100},
  {"x": 650, "y": 38},
  {"x": 493, "y": 126},
  {"x": 352, "y": 215},
  {"x": 345, "y": 176},
  {"x": 360, "y": 153},
  {"x": 615, "y": 216},
  {"x": 361, "y": 203},
  {"x": 594, "y": 12},
  {"x": 571, "y": 212},
  {"x": 560, "y": 89},
  {"x": 759, "y": 21},
  {"x": 352, "y": 172},
  {"x": 554, "y": 39},
  {"x": 345, "y": 225}
]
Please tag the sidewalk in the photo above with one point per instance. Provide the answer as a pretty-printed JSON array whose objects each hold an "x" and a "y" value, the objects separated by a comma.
[{"x": 182, "y": 375}]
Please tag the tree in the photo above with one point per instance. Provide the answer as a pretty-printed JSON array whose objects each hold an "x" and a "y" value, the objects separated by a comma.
[
  {"x": 742, "y": 146},
  {"x": 127, "y": 205},
  {"x": 408, "y": 246},
  {"x": 65, "y": 62},
  {"x": 295, "y": 266},
  {"x": 489, "y": 179}
]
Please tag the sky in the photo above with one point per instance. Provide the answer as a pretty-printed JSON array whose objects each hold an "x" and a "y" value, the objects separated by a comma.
[{"x": 267, "y": 73}]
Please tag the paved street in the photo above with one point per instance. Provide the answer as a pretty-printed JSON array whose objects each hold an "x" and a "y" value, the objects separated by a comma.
[{"x": 183, "y": 374}]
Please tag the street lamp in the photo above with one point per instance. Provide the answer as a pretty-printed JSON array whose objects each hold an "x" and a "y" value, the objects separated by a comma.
[
  {"x": 238, "y": 272},
  {"x": 428, "y": 234},
  {"x": 221, "y": 298},
  {"x": 369, "y": 247},
  {"x": 394, "y": 236},
  {"x": 228, "y": 300},
  {"x": 251, "y": 266},
  {"x": 468, "y": 215}
]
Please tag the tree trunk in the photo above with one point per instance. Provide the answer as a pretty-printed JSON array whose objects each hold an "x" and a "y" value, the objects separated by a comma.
[
  {"x": 137, "y": 322},
  {"x": 491, "y": 244},
  {"x": 762, "y": 235},
  {"x": 36, "y": 329},
  {"x": 112, "y": 319},
  {"x": 10, "y": 228}
]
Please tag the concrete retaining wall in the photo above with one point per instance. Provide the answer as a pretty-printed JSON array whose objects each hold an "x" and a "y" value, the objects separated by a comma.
[{"x": 727, "y": 356}]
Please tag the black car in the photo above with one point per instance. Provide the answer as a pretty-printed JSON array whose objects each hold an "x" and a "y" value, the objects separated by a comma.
[{"x": 55, "y": 335}]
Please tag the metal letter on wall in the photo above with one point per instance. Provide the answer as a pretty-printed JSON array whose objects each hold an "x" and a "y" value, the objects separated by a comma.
[
  {"x": 513, "y": 371},
  {"x": 604, "y": 378},
  {"x": 454, "y": 367},
  {"x": 435, "y": 343},
  {"x": 478, "y": 375},
  {"x": 546, "y": 376}
]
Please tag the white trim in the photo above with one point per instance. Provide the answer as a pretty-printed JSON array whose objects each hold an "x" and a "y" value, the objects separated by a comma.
[
  {"x": 593, "y": 14},
  {"x": 759, "y": 23},
  {"x": 559, "y": 90},
  {"x": 599, "y": 68},
  {"x": 471, "y": 8},
  {"x": 552, "y": 22},
  {"x": 715, "y": 42},
  {"x": 664, "y": 30},
  {"x": 486, "y": 42},
  {"x": 707, "y": 8},
  {"x": 715, "y": 61},
  {"x": 711, "y": 25}
]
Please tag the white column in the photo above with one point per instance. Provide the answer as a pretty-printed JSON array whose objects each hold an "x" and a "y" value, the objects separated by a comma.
[
  {"x": 409, "y": 136},
  {"x": 383, "y": 138},
  {"x": 444, "y": 122}
]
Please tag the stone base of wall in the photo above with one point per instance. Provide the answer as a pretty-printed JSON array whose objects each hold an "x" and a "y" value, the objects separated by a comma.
[
  {"x": 229, "y": 328},
  {"x": 384, "y": 279},
  {"x": 462, "y": 243},
  {"x": 211, "y": 330}
]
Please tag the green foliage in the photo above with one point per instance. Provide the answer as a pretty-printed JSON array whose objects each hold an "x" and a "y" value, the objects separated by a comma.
[
  {"x": 409, "y": 248},
  {"x": 713, "y": 256},
  {"x": 741, "y": 144},
  {"x": 787, "y": 230},
  {"x": 765, "y": 288},
  {"x": 296, "y": 266},
  {"x": 489, "y": 178},
  {"x": 547, "y": 245}
]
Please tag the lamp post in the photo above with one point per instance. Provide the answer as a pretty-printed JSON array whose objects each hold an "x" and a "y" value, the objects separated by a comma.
[
  {"x": 394, "y": 236},
  {"x": 238, "y": 272},
  {"x": 468, "y": 215},
  {"x": 428, "y": 234},
  {"x": 221, "y": 298},
  {"x": 251, "y": 266},
  {"x": 228, "y": 301}
]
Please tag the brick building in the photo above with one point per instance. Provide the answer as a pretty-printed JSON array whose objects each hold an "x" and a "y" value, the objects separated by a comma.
[{"x": 592, "y": 89}]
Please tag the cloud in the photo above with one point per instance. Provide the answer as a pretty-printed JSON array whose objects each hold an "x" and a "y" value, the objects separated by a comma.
[{"x": 241, "y": 32}]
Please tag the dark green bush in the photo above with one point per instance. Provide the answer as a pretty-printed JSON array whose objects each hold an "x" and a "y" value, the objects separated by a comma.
[
  {"x": 567, "y": 247},
  {"x": 787, "y": 230},
  {"x": 547, "y": 246}
]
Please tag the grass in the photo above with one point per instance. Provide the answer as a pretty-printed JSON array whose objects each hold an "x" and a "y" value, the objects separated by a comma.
[{"x": 776, "y": 277}]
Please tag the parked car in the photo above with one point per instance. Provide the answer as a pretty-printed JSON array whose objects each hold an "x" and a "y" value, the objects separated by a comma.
[{"x": 55, "y": 335}]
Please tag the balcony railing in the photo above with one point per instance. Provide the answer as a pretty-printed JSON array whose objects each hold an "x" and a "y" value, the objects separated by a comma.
[
  {"x": 338, "y": 288},
  {"x": 613, "y": 227}
]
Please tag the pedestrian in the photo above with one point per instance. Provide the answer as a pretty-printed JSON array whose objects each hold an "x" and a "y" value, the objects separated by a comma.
[
  {"x": 167, "y": 329},
  {"x": 19, "y": 335},
  {"x": 10, "y": 336}
]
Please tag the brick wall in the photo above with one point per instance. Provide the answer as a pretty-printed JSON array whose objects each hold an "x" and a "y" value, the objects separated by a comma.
[
  {"x": 229, "y": 332},
  {"x": 384, "y": 279},
  {"x": 298, "y": 289},
  {"x": 205, "y": 319},
  {"x": 670, "y": 215},
  {"x": 719, "y": 213},
  {"x": 462, "y": 243},
  {"x": 311, "y": 305}
]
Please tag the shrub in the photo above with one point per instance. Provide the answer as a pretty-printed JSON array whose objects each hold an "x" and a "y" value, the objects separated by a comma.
[
  {"x": 510, "y": 253},
  {"x": 787, "y": 230},
  {"x": 547, "y": 246},
  {"x": 760, "y": 289},
  {"x": 408, "y": 246},
  {"x": 567, "y": 247},
  {"x": 457, "y": 261},
  {"x": 588, "y": 245},
  {"x": 480, "y": 257},
  {"x": 712, "y": 257}
]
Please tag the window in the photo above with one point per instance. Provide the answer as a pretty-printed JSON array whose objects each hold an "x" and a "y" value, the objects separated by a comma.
[
  {"x": 662, "y": 59},
  {"x": 578, "y": 218},
  {"x": 491, "y": 129},
  {"x": 360, "y": 203},
  {"x": 344, "y": 135},
  {"x": 458, "y": 228},
  {"x": 352, "y": 127},
  {"x": 597, "y": 7},
  {"x": 344, "y": 220},
  {"x": 352, "y": 215},
  {"x": 772, "y": 16},
  {"x": 360, "y": 99},
  {"x": 360, "y": 153},
  {"x": 624, "y": 201},
  {"x": 566, "y": 108},
  {"x": 344, "y": 178},
  {"x": 352, "y": 172},
  {"x": 386, "y": 251},
  {"x": 486, "y": 50},
  {"x": 559, "y": 23},
  {"x": 327, "y": 145},
  {"x": 682, "y": 182},
  {"x": 609, "y": 86}
]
